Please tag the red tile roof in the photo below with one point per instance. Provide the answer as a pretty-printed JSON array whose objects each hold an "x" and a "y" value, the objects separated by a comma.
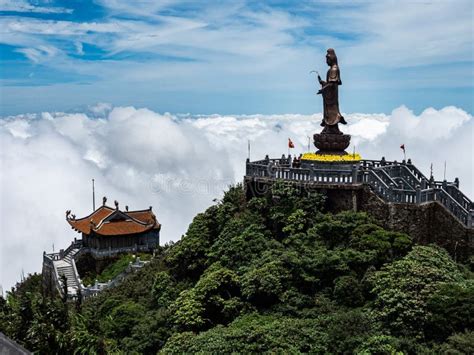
[
  {"x": 143, "y": 216},
  {"x": 109, "y": 221}
]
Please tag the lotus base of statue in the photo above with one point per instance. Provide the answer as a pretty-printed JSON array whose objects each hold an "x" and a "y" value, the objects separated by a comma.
[{"x": 331, "y": 143}]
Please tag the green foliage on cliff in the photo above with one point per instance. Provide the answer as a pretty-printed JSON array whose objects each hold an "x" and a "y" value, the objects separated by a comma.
[
  {"x": 115, "y": 268},
  {"x": 271, "y": 274}
]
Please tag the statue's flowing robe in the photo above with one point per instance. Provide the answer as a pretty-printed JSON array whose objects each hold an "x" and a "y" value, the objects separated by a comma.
[{"x": 332, "y": 116}]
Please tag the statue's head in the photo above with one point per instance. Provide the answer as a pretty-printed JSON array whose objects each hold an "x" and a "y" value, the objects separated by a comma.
[{"x": 331, "y": 57}]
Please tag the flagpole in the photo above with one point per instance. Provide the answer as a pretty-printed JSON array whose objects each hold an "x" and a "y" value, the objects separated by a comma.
[
  {"x": 444, "y": 170},
  {"x": 248, "y": 142},
  {"x": 93, "y": 195}
]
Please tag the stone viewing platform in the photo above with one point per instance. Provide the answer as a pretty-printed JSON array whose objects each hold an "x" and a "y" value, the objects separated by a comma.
[
  {"x": 398, "y": 195},
  {"x": 392, "y": 181}
]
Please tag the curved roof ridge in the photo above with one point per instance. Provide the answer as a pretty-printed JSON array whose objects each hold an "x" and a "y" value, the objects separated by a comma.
[
  {"x": 145, "y": 210},
  {"x": 141, "y": 222},
  {"x": 103, "y": 221},
  {"x": 91, "y": 214}
]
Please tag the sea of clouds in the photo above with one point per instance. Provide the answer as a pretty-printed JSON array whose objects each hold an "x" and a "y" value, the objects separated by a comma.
[{"x": 177, "y": 163}]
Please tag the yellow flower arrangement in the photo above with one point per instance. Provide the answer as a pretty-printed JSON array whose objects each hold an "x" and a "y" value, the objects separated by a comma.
[{"x": 331, "y": 158}]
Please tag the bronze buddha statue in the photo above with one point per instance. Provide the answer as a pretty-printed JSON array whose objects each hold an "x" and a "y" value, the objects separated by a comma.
[
  {"x": 331, "y": 140},
  {"x": 330, "y": 93}
]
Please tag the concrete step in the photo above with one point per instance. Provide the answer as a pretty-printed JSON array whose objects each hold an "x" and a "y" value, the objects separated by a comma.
[
  {"x": 67, "y": 271},
  {"x": 70, "y": 279},
  {"x": 68, "y": 276}
]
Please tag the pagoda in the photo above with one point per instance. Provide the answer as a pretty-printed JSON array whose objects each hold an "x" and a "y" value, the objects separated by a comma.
[
  {"x": 106, "y": 233},
  {"x": 110, "y": 229}
]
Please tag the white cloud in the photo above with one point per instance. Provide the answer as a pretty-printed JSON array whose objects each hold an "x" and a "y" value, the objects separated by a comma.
[
  {"x": 402, "y": 33},
  {"x": 176, "y": 164},
  {"x": 138, "y": 8},
  {"x": 26, "y": 6},
  {"x": 257, "y": 46},
  {"x": 39, "y": 54},
  {"x": 79, "y": 48},
  {"x": 62, "y": 28},
  {"x": 432, "y": 124},
  {"x": 100, "y": 109}
]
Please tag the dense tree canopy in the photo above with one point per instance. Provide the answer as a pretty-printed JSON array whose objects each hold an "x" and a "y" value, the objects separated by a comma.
[{"x": 270, "y": 274}]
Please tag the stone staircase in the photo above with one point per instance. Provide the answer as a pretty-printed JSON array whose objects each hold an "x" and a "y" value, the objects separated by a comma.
[
  {"x": 56, "y": 266},
  {"x": 64, "y": 267},
  {"x": 404, "y": 183}
]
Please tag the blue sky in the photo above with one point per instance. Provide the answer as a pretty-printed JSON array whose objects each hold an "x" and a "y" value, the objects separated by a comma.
[{"x": 234, "y": 57}]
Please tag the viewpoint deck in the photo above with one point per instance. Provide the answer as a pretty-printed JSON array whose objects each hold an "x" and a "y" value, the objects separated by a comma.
[{"x": 392, "y": 181}]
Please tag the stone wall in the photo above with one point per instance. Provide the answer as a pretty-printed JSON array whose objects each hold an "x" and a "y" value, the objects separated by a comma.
[
  {"x": 426, "y": 223},
  {"x": 339, "y": 197},
  {"x": 87, "y": 265},
  {"x": 48, "y": 278}
]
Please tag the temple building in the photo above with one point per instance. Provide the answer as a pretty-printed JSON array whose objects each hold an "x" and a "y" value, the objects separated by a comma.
[
  {"x": 106, "y": 234},
  {"x": 110, "y": 228}
]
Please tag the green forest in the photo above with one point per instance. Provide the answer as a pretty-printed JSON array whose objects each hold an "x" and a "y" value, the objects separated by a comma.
[{"x": 271, "y": 274}]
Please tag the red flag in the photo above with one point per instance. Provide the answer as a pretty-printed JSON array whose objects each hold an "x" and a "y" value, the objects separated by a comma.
[
  {"x": 402, "y": 147},
  {"x": 290, "y": 143}
]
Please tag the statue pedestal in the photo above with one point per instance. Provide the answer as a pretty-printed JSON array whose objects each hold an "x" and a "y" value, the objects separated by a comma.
[{"x": 334, "y": 143}]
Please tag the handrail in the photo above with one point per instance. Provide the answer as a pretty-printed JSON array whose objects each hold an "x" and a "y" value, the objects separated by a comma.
[
  {"x": 76, "y": 244},
  {"x": 457, "y": 194},
  {"x": 384, "y": 173},
  {"x": 115, "y": 251},
  {"x": 50, "y": 262},
  {"x": 76, "y": 274},
  {"x": 53, "y": 256},
  {"x": 406, "y": 170},
  {"x": 452, "y": 199},
  {"x": 56, "y": 276},
  {"x": 405, "y": 183},
  {"x": 418, "y": 172}
]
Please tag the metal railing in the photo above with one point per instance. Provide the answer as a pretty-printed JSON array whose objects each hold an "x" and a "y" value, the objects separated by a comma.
[{"x": 399, "y": 182}]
